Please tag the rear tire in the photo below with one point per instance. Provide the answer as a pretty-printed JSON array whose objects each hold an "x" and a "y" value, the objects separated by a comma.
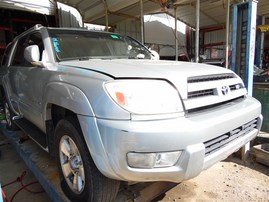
[
  {"x": 80, "y": 179},
  {"x": 9, "y": 114}
]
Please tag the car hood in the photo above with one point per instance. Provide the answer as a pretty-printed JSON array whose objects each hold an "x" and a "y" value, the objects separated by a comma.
[
  {"x": 175, "y": 72},
  {"x": 121, "y": 68}
]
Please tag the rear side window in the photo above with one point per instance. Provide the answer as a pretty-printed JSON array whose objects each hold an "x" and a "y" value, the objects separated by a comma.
[
  {"x": 5, "y": 56},
  {"x": 18, "y": 59}
]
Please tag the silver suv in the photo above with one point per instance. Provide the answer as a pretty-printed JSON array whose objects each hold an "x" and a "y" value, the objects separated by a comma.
[{"x": 109, "y": 112}]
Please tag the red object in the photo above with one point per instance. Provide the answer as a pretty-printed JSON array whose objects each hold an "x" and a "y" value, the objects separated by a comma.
[
  {"x": 6, "y": 28},
  {"x": 4, "y": 196}
]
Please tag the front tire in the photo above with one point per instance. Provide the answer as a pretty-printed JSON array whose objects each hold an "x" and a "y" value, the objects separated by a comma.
[{"x": 80, "y": 179}]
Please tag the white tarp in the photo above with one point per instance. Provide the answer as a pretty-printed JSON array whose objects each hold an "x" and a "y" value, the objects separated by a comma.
[
  {"x": 42, "y": 6},
  {"x": 68, "y": 16}
]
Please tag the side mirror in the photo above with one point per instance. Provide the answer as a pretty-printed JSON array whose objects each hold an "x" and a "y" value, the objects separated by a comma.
[{"x": 32, "y": 55}]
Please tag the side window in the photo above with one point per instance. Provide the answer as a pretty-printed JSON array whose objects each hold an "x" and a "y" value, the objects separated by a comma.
[
  {"x": 6, "y": 55},
  {"x": 32, "y": 39}
]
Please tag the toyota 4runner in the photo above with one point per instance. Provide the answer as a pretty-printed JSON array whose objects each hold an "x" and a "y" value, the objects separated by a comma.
[{"x": 109, "y": 112}]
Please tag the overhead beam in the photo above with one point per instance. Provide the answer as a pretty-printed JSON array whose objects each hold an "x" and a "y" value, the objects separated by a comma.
[
  {"x": 208, "y": 16},
  {"x": 123, "y": 15},
  {"x": 88, "y": 7},
  {"x": 97, "y": 17},
  {"x": 173, "y": 15},
  {"x": 192, "y": 4}
]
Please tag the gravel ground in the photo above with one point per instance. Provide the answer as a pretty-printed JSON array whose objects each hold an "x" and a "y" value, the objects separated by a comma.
[{"x": 229, "y": 180}]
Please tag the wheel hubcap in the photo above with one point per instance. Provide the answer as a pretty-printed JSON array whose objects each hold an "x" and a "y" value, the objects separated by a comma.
[{"x": 71, "y": 164}]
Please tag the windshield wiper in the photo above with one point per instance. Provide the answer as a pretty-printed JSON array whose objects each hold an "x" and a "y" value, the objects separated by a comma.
[
  {"x": 86, "y": 58},
  {"x": 139, "y": 56}
]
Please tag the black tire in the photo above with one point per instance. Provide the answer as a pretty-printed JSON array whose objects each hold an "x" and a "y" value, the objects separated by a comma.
[
  {"x": 79, "y": 165},
  {"x": 9, "y": 114}
]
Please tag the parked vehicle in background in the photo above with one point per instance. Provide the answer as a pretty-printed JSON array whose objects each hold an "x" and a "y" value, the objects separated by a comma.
[{"x": 110, "y": 113}]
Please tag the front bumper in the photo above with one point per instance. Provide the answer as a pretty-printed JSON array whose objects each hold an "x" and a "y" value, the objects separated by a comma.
[{"x": 109, "y": 141}]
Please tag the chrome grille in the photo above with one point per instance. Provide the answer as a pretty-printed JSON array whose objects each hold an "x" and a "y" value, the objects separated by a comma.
[
  {"x": 200, "y": 93},
  {"x": 235, "y": 87},
  {"x": 215, "y": 144},
  {"x": 209, "y": 91}
]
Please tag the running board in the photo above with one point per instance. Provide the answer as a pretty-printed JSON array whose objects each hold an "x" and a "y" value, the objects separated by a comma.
[{"x": 34, "y": 132}]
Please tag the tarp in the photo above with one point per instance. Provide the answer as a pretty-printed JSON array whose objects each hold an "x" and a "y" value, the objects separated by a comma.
[
  {"x": 43, "y": 7},
  {"x": 68, "y": 16}
]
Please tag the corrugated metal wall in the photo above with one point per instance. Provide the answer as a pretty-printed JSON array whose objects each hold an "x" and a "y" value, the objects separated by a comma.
[
  {"x": 214, "y": 37},
  {"x": 129, "y": 27}
]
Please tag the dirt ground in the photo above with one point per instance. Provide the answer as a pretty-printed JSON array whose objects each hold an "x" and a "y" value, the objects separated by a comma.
[
  {"x": 12, "y": 169},
  {"x": 229, "y": 180}
]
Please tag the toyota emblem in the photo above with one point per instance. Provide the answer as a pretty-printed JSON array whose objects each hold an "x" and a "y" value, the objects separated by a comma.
[{"x": 224, "y": 90}]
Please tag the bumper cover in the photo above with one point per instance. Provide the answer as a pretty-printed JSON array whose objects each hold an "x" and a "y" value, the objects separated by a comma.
[{"x": 109, "y": 141}]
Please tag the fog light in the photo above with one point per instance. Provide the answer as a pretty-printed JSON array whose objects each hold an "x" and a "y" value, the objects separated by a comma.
[
  {"x": 166, "y": 159},
  {"x": 152, "y": 160}
]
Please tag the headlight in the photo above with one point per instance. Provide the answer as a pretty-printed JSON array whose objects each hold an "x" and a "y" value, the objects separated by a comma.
[{"x": 145, "y": 96}]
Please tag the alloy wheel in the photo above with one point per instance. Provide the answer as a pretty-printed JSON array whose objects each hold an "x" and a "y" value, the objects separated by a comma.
[{"x": 72, "y": 164}]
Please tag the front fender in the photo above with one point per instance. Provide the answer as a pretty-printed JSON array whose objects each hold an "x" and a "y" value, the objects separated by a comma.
[{"x": 66, "y": 96}]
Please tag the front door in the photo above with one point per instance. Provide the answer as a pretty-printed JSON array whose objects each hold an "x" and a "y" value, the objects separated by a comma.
[{"x": 26, "y": 80}]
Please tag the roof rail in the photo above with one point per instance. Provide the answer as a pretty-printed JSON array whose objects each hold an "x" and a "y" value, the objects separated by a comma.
[{"x": 38, "y": 26}]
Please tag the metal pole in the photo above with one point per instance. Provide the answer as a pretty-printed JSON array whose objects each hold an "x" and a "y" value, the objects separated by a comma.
[
  {"x": 56, "y": 14},
  {"x": 176, "y": 41},
  {"x": 106, "y": 13},
  {"x": 227, "y": 34},
  {"x": 197, "y": 31},
  {"x": 234, "y": 38},
  {"x": 142, "y": 21},
  {"x": 106, "y": 19}
]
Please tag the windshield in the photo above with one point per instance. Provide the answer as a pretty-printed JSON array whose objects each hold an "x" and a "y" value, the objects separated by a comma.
[{"x": 84, "y": 45}]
